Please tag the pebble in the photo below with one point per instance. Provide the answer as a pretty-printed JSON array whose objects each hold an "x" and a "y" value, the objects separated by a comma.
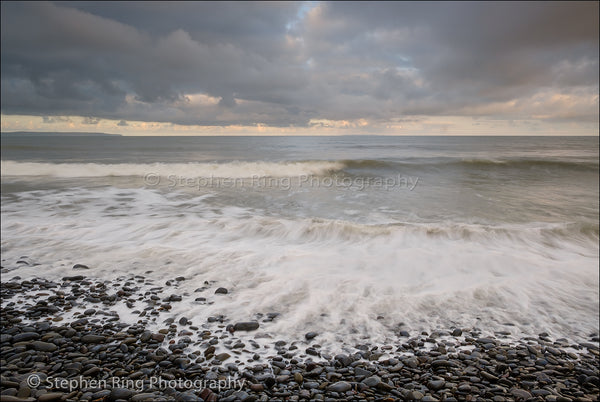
[
  {"x": 246, "y": 326},
  {"x": 340, "y": 386}
]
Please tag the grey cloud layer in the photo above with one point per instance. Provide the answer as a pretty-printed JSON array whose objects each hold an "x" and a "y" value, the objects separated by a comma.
[{"x": 286, "y": 63}]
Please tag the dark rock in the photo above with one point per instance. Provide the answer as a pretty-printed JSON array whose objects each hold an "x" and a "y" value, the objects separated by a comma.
[
  {"x": 340, "y": 386},
  {"x": 443, "y": 363},
  {"x": 80, "y": 266},
  {"x": 93, "y": 338},
  {"x": 436, "y": 385},
  {"x": 344, "y": 360},
  {"x": 246, "y": 326},
  {"x": 361, "y": 373},
  {"x": 51, "y": 396},
  {"x": 372, "y": 382},
  {"x": 44, "y": 346},
  {"x": 310, "y": 335},
  {"x": 25, "y": 336},
  {"x": 520, "y": 394},
  {"x": 75, "y": 278},
  {"x": 222, "y": 356},
  {"x": 120, "y": 393},
  {"x": 221, "y": 291}
]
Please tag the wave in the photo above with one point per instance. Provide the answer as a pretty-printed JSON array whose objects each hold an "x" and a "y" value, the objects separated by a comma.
[
  {"x": 482, "y": 163},
  {"x": 225, "y": 170},
  {"x": 333, "y": 231},
  {"x": 531, "y": 163},
  {"x": 334, "y": 276},
  {"x": 246, "y": 169}
]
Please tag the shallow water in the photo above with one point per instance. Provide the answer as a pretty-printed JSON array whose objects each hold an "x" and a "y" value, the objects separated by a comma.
[{"x": 347, "y": 236}]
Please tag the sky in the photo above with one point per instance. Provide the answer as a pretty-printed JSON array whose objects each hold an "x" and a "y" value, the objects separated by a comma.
[{"x": 301, "y": 68}]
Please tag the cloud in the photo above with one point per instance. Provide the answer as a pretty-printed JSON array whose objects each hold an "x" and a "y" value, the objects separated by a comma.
[
  {"x": 122, "y": 123},
  {"x": 55, "y": 119},
  {"x": 294, "y": 64},
  {"x": 90, "y": 120}
]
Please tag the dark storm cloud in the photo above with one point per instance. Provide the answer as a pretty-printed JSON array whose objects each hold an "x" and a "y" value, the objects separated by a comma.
[{"x": 280, "y": 64}]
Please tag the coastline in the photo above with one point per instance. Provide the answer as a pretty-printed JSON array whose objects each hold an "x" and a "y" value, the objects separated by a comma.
[{"x": 95, "y": 355}]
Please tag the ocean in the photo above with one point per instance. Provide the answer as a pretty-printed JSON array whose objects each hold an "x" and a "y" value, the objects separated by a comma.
[{"x": 354, "y": 237}]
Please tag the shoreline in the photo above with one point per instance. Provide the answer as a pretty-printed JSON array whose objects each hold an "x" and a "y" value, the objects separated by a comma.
[{"x": 94, "y": 355}]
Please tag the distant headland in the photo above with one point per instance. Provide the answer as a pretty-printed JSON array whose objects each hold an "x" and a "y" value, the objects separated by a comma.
[{"x": 62, "y": 134}]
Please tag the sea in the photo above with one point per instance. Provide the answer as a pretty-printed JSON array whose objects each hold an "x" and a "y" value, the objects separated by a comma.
[{"x": 353, "y": 237}]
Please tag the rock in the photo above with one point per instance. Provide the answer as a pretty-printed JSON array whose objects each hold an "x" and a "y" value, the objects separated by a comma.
[
  {"x": 207, "y": 395},
  {"x": 24, "y": 391},
  {"x": 443, "y": 363},
  {"x": 488, "y": 376},
  {"x": 310, "y": 335},
  {"x": 222, "y": 357},
  {"x": 457, "y": 332},
  {"x": 143, "y": 397},
  {"x": 411, "y": 362},
  {"x": 12, "y": 398},
  {"x": 360, "y": 372},
  {"x": 120, "y": 393},
  {"x": 183, "y": 321},
  {"x": 50, "y": 396},
  {"x": 436, "y": 385},
  {"x": 188, "y": 396},
  {"x": 209, "y": 351},
  {"x": 344, "y": 360},
  {"x": 44, "y": 346},
  {"x": 93, "y": 338},
  {"x": 75, "y": 278},
  {"x": 372, "y": 382},
  {"x": 340, "y": 386},
  {"x": 241, "y": 395},
  {"x": 298, "y": 378},
  {"x": 246, "y": 326},
  {"x": 146, "y": 335},
  {"x": 520, "y": 394},
  {"x": 80, "y": 266},
  {"x": 221, "y": 291},
  {"x": 25, "y": 336}
]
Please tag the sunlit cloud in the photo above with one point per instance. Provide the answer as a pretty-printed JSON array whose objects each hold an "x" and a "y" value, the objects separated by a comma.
[{"x": 301, "y": 67}]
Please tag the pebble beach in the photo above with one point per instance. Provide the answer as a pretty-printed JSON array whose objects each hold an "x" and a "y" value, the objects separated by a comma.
[{"x": 64, "y": 340}]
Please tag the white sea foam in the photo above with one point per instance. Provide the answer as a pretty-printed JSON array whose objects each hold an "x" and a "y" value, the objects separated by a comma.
[
  {"x": 235, "y": 169},
  {"x": 332, "y": 276}
]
